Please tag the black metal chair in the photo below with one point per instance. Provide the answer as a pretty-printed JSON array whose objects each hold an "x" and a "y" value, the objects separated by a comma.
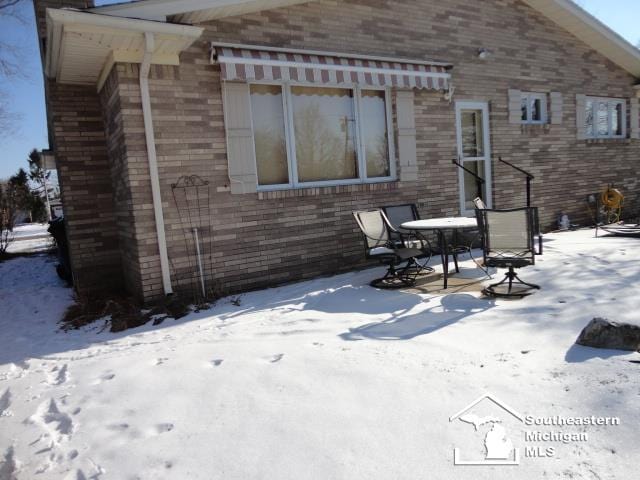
[
  {"x": 401, "y": 261},
  {"x": 508, "y": 242},
  {"x": 408, "y": 212}
]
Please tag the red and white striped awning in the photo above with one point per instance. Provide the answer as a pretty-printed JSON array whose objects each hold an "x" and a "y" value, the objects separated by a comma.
[{"x": 249, "y": 63}]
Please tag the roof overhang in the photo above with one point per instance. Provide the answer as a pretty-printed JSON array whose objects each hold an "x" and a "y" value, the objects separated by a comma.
[
  {"x": 190, "y": 11},
  {"x": 82, "y": 47},
  {"x": 564, "y": 12}
]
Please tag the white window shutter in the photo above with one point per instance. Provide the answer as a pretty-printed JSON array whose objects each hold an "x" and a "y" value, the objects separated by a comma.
[
  {"x": 515, "y": 106},
  {"x": 240, "y": 150},
  {"x": 556, "y": 108},
  {"x": 407, "y": 151},
  {"x": 581, "y": 113},
  {"x": 634, "y": 127}
]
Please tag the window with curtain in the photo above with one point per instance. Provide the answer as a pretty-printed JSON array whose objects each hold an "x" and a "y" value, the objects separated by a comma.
[
  {"x": 267, "y": 111},
  {"x": 307, "y": 135},
  {"x": 324, "y": 127},
  {"x": 605, "y": 117}
]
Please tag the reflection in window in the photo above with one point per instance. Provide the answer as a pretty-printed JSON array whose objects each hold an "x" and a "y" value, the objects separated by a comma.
[
  {"x": 534, "y": 107},
  {"x": 589, "y": 123},
  {"x": 472, "y": 134},
  {"x": 471, "y": 187},
  {"x": 375, "y": 137},
  {"x": 605, "y": 118},
  {"x": 536, "y": 112},
  {"x": 324, "y": 125},
  {"x": 524, "y": 107},
  {"x": 616, "y": 126},
  {"x": 308, "y": 135},
  {"x": 269, "y": 134}
]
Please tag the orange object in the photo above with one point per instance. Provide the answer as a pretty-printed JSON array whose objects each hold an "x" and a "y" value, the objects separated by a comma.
[{"x": 612, "y": 198}]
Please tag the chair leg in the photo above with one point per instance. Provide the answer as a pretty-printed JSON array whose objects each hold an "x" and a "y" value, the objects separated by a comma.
[
  {"x": 511, "y": 278},
  {"x": 455, "y": 262},
  {"x": 398, "y": 278}
]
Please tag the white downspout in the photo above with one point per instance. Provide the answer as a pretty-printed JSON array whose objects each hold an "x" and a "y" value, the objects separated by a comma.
[{"x": 153, "y": 161}]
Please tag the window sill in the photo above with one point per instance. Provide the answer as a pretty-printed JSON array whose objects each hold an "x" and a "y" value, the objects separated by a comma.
[
  {"x": 535, "y": 127},
  {"x": 599, "y": 141},
  {"x": 327, "y": 190}
]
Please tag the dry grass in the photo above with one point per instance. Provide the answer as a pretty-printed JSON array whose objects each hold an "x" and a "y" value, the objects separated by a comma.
[{"x": 121, "y": 312}]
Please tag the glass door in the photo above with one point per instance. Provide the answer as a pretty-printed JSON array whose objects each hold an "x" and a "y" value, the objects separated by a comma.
[{"x": 474, "y": 153}]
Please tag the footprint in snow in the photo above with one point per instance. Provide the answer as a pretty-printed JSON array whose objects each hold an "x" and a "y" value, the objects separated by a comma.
[
  {"x": 118, "y": 427},
  {"x": 217, "y": 362},
  {"x": 160, "y": 361},
  {"x": 276, "y": 358},
  {"x": 58, "y": 376},
  {"x": 5, "y": 403},
  {"x": 10, "y": 465},
  {"x": 56, "y": 424},
  {"x": 105, "y": 377},
  {"x": 164, "y": 427}
]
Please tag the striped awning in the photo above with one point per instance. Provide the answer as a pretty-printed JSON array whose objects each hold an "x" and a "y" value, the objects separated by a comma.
[{"x": 249, "y": 63}]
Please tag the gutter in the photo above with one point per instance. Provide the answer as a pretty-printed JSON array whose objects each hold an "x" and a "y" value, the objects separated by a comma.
[{"x": 153, "y": 161}]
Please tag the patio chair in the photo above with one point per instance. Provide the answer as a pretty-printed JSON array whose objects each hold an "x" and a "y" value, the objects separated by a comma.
[
  {"x": 408, "y": 212},
  {"x": 508, "y": 242},
  {"x": 402, "y": 268}
]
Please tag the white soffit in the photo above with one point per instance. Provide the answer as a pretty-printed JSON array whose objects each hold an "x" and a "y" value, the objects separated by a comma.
[
  {"x": 591, "y": 31},
  {"x": 82, "y": 47}
]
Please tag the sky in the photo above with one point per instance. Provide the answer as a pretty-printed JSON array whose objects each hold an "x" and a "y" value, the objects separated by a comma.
[{"x": 25, "y": 95}]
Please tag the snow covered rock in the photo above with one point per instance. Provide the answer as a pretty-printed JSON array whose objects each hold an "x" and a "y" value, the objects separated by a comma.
[{"x": 602, "y": 333}]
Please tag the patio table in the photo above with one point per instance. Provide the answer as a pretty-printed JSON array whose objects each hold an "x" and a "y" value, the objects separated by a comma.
[{"x": 440, "y": 226}]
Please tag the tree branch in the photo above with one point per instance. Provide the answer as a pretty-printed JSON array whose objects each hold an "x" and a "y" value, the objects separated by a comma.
[{"x": 8, "y": 3}]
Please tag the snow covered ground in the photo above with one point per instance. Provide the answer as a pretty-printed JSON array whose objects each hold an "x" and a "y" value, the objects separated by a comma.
[
  {"x": 326, "y": 379},
  {"x": 30, "y": 238},
  {"x": 30, "y": 230}
]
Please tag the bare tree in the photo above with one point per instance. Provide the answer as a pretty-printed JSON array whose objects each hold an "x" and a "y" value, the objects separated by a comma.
[{"x": 9, "y": 63}]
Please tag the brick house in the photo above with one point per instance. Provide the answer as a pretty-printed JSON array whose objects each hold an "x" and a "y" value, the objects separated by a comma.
[{"x": 296, "y": 113}]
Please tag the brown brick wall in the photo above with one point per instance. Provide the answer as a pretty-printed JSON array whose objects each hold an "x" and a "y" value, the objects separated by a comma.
[
  {"x": 76, "y": 132},
  {"x": 262, "y": 239},
  {"x": 86, "y": 188},
  {"x": 117, "y": 147}
]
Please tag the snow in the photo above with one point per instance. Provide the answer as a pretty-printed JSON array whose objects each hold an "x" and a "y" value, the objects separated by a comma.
[
  {"x": 30, "y": 230},
  {"x": 30, "y": 238},
  {"x": 322, "y": 379}
]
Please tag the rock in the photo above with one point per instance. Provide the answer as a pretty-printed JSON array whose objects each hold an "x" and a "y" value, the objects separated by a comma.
[{"x": 602, "y": 333}]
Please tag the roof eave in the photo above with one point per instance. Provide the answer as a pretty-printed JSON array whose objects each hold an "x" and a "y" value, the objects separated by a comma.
[{"x": 63, "y": 22}]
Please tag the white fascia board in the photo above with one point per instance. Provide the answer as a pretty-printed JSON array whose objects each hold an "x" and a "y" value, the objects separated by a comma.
[
  {"x": 159, "y": 9},
  {"x": 163, "y": 9}
]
